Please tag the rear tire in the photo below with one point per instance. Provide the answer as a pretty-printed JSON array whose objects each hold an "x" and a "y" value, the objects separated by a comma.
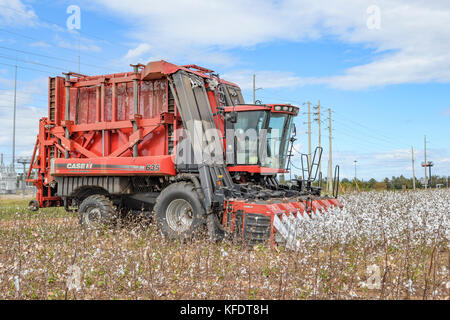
[
  {"x": 179, "y": 212},
  {"x": 96, "y": 211}
]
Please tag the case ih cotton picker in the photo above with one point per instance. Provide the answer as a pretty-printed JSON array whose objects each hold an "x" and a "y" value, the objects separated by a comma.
[{"x": 176, "y": 142}]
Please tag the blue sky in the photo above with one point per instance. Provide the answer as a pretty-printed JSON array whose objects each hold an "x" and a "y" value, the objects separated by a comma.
[{"x": 383, "y": 67}]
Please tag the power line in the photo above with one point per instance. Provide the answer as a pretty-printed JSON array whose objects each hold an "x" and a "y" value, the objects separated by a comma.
[
  {"x": 366, "y": 144},
  {"x": 35, "y": 63},
  {"x": 369, "y": 129},
  {"x": 346, "y": 126},
  {"x": 379, "y": 135},
  {"x": 54, "y": 58},
  {"x": 373, "y": 140},
  {"x": 32, "y": 96},
  {"x": 79, "y": 31},
  {"x": 61, "y": 47},
  {"x": 26, "y": 68}
]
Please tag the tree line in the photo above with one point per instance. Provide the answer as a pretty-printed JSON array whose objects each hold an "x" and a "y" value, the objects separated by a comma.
[{"x": 394, "y": 183}]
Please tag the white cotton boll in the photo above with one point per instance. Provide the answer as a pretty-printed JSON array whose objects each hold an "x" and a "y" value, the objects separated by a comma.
[
  {"x": 17, "y": 283},
  {"x": 382, "y": 217},
  {"x": 97, "y": 252},
  {"x": 73, "y": 282},
  {"x": 120, "y": 271},
  {"x": 224, "y": 253}
]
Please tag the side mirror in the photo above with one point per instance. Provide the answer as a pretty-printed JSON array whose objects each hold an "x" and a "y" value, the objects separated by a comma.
[{"x": 294, "y": 130}]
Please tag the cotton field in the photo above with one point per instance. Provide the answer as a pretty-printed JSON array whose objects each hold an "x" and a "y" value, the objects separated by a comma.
[
  {"x": 388, "y": 245},
  {"x": 417, "y": 218}
]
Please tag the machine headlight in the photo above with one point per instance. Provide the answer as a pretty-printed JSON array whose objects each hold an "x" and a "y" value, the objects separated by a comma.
[
  {"x": 277, "y": 108},
  {"x": 285, "y": 108}
]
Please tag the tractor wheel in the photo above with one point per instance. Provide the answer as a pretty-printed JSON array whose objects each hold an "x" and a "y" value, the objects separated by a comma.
[
  {"x": 33, "y": 205},
  {"x": 96, "y": 211},
  {"x": 179, "y": 212}
]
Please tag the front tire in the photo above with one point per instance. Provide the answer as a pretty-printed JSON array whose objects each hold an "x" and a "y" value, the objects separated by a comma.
[
  {"x": 96, "y": 211},
  {"x": 179, "y": 212}
]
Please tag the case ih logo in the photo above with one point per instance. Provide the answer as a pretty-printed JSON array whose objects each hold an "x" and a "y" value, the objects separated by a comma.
[{"x": 79, "y": 165}]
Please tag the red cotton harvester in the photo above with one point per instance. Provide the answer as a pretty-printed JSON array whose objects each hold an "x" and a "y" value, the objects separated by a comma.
[{"x": 176, "y": 143}]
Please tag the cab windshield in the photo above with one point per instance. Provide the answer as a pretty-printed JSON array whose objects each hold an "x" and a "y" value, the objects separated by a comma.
[
  {"x": 247, "y": 132},
  {"x": 280, "y": 126}
]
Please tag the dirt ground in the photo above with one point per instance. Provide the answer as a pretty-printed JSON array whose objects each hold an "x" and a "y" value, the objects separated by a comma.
[{"x": 17, "y": 196}]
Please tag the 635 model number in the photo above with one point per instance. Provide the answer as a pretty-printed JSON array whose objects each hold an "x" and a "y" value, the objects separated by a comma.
[{"x": 152, "y": 167}]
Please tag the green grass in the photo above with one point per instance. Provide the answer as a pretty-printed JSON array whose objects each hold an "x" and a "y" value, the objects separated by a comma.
[{"x": 18, "y": 209}]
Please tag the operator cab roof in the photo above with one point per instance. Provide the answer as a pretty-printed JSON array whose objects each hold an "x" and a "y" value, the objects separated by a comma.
[{"x": 275, "y": 108}]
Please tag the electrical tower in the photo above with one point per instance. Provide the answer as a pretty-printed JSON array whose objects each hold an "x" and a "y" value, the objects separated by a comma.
[
  {"x": 24, "y": 161},
  {"x": 8, "y": 178}
]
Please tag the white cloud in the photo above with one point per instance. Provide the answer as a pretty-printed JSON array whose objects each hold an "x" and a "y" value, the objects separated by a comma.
[
  {"x": 413, "y": 36},
  {"x": 77, "y": 42},
  {"x": 27, "y": 125},
  {"x": 267, "y": 79},
  {"x": 136, "y": 53},
  {"x": 27, "y": 116},
  {"x": 16, "y": 13},
  {"x": 400, "y": 154},
  {"x": 40, "y": 44}
]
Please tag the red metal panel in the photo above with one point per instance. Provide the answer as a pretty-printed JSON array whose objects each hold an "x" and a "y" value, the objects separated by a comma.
[{"x": 157, "y": 165}]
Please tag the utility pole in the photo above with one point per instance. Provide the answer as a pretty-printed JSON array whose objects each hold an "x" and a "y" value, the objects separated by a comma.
[
  {"x": 428, "y": 165},
  {"x": 356, "y": 183},
  {"x": 425, "y": 154},
  {"x": 318, "y": 121},
  {"x": 254, "y": 88},
  {"x": 309, "y": 136},
  {"x": 330, "y": 158},
  {"x": 414, "y": 176},
  {"x": 14, "y": 118},
  {"x": 79, "y": 55}
]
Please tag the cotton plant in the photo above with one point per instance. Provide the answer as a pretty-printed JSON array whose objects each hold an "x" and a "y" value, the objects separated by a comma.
[
  {"x": 382, "y": 216},
  {"x": 381, "y": 245}
]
